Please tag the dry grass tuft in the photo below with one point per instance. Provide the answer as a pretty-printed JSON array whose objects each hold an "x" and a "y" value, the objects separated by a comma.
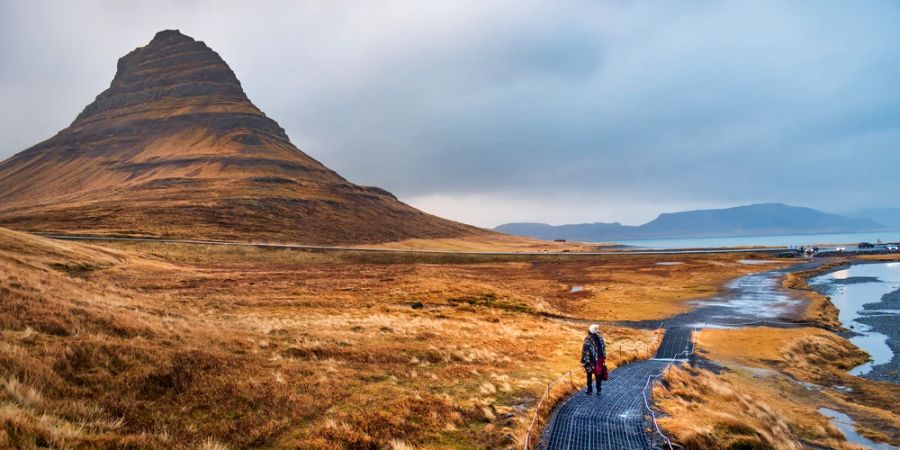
[
  {"x": 774, "y": 381},
  {"x": 798, "y": 349},
  {"x": 212, "y": 444},
  {"x": 397, "y": 444},
  {"x": 22, "y": 395},
  {"x": 708, "y": 412}
]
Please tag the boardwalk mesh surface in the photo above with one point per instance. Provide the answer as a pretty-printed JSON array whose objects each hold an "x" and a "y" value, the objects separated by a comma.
[
  {"x": 614, "y": 419},
  {"x": 675, "y": 343}
]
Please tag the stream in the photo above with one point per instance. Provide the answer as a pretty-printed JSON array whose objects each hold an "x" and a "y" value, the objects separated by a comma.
[{"x": 868, "y": 297}]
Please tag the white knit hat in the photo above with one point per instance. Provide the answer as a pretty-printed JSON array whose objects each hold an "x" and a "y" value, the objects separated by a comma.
[{"x": 594, "y": 329}]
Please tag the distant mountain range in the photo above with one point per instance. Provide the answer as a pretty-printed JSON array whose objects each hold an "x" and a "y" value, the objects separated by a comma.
[{"x": 751, "y": 220}]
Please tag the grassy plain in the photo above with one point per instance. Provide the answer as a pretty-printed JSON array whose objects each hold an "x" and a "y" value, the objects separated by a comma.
[
  {"x": 490, "y": 243},
  {"x": 162, "y": 345}
]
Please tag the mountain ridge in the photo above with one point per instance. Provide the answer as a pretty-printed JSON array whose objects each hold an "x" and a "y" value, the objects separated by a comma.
[
  {"x": 748, "y": 220},
  {"x": 175, "y": 148}
]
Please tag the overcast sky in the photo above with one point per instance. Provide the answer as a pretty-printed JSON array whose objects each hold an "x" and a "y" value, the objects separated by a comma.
[{"x": 493, "y": 112}]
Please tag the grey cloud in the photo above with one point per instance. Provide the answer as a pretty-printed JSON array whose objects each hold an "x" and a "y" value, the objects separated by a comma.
[{"x": 645, "y": 105}]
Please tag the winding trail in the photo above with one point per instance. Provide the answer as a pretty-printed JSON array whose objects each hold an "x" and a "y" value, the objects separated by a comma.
[
  {"x": 617, "y": 418},
  {"x": 614, "y": 419}
]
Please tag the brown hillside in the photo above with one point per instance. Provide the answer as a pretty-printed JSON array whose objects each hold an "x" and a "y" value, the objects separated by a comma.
[{"x": 175, "y": 148}]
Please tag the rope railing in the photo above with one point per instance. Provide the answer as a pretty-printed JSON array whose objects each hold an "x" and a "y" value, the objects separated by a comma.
[
  {"x": 686, "y": 353},
  {"x": 537, "y": 409}
]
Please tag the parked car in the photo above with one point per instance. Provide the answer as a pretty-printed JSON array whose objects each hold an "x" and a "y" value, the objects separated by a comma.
[
  {"x": 866, "y": 245},
  {"x": 891, "y": 247},
  {"x": 840, "y": 249}
]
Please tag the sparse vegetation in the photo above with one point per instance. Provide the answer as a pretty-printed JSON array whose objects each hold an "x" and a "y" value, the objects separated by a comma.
[{"x": 163, "y": 345}]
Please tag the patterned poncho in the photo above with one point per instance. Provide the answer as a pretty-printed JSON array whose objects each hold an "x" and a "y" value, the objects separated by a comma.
[{"x": 594, "y": 347}]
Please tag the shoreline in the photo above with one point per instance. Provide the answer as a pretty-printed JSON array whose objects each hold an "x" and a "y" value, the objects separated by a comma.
[
  {"x": 885, "y": 325},
  {"x": 819, "y": 308}
]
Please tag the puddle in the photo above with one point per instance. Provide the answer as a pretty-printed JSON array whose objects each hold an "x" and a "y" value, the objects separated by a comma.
[
  {"x": 875, "y": 344},
  {"x": 669, "y": 263},
  {"x": 576, "y": 289},
  {"x": 879, "y": 312},
  {"x": 844, "y": 423},
  {"x": 755, "y": 262},
  {"x": 850, "y": 289}
]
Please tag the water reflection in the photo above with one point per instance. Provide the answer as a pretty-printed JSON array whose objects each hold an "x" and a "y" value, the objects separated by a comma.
[
  {"x": 844, "y": 423},
  {"x": 862, "y": 284}
]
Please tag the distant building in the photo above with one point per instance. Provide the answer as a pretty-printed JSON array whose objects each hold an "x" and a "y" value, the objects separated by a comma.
[{"x": 559, "y": 240}]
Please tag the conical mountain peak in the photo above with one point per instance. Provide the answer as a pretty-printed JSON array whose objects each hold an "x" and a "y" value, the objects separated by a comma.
[
  {"x": 172, "y": 72},
  {"x": 175, "y": 148},
  {"x": 168, "y": 37}
]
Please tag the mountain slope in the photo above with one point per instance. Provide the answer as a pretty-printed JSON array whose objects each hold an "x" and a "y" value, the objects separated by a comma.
[
  {"x": 175, "y": 148},
  {"x": 758, "y": 219}
]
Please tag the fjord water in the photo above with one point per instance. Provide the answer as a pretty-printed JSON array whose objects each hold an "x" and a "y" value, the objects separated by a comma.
[
  {"x": 852, "y": 288},
  {"x": 768, "y": 241}
]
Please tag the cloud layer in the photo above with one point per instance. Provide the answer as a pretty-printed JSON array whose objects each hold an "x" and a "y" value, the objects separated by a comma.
[{"x": 490, "y": 112}]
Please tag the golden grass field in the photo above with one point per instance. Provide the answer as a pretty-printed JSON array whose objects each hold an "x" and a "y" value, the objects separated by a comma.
[
  {"x": 767, "y": 395},
  {"x": 162, "y": 345},
  {"x": 489, "y": 243}
]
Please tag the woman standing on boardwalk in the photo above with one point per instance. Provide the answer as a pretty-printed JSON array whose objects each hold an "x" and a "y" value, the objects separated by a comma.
[{"x": 593, "y": 358}]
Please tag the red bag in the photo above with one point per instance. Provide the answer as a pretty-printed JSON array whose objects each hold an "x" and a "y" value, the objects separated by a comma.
[{"x": 600, "y": 369}]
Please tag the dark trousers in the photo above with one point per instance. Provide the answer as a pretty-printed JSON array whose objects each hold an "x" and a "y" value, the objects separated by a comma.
[{"x": 590, "y": 377}]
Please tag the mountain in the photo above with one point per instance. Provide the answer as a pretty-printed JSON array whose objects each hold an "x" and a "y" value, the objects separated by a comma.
[
  {"x": 750, "y": 220},
  {"x": 887, "y": 216},
  {"x": 175, "y": 148},
  {"x": 760, "y": 219}
]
